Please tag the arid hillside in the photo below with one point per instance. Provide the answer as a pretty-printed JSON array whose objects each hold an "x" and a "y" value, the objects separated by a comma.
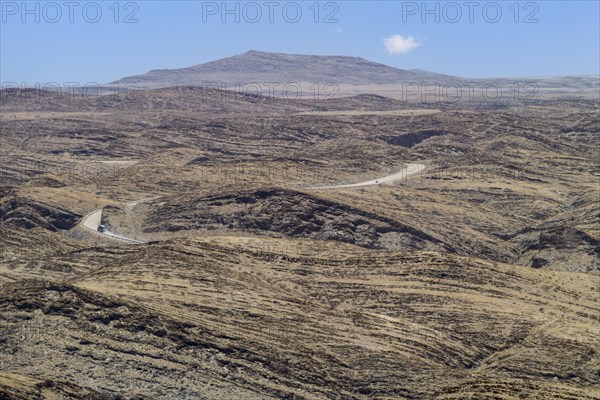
[{"x": 254, "y": 247}]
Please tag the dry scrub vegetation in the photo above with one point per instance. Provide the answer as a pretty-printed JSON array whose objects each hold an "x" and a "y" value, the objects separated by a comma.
[{"x": 476, "y": 278}]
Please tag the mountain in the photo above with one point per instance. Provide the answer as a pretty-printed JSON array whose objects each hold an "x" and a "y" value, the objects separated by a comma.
[
  {"x": 307, "y": 76},
  {"x": 258, "y": 66}
]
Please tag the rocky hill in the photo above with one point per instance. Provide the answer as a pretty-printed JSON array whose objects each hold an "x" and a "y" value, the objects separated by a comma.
[
  {"x": 256, "y": 274},
  {"x": 264, "y": 67}
]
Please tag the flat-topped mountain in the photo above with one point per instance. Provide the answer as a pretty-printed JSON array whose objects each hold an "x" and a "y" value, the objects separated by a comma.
[
  {"x": 331, "y": 76},
  {"x": 258, "y": 66}
]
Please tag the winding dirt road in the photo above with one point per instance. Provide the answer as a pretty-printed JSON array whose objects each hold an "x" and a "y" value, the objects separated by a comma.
[
  {"x": 91, "y": 222},
  {"x": 409, "y": 169}
]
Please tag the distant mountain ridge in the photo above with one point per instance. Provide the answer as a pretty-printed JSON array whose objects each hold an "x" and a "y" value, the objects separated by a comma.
[
  {"x": 258, "y": 66},
  {"x": 342, "y": 76}
]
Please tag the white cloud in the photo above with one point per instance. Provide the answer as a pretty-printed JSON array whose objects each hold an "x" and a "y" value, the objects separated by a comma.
[{"x": 400, "y": 44}]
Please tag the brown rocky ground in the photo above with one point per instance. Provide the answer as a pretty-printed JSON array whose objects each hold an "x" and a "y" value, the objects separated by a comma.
[{"x": 475, "y": 278}]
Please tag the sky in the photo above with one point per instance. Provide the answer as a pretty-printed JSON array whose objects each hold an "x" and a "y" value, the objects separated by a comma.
[{"x": 102, "y": 41}]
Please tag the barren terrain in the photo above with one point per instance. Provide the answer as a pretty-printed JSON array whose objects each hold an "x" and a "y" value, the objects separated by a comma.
[{"x": 272, "y": 258}]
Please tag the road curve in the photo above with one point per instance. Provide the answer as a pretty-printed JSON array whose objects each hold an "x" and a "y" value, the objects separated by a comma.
[
  {"x": 92, "y": 221},
  {"x": 409, "y": 169}
]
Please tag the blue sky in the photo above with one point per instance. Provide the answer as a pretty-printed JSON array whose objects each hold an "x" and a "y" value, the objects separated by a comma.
[{"x": 544, "y": 38}]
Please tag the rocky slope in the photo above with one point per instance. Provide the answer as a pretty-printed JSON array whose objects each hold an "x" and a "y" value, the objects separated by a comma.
[
  {"x": 475, "y": 278},
  {"x": 264, "y": 67},
  {"x": 258, "y": 319}
]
